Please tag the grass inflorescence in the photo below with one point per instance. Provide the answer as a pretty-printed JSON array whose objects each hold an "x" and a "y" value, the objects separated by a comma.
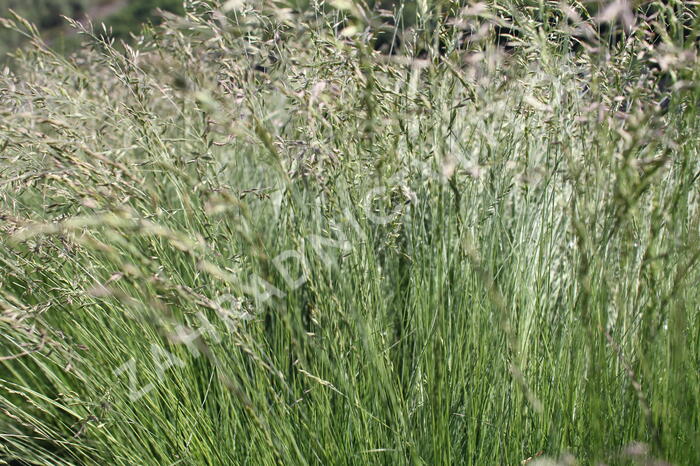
[{"x": 257, "y": 236}]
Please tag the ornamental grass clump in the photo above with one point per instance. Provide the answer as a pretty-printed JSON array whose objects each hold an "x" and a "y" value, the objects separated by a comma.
[{"x": 252, "y": 235}]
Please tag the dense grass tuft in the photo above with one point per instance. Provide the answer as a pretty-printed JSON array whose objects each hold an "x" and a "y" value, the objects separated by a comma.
[{"x": 254, "y": 239}]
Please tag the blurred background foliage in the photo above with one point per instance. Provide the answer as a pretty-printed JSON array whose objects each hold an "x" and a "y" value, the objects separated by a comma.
[
  {"x": 122, "y": 16},
  {"x": 387, "y": 18}
]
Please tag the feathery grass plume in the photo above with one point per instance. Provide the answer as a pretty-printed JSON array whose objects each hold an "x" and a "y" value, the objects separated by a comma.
[{"x": 255, "y": 236}]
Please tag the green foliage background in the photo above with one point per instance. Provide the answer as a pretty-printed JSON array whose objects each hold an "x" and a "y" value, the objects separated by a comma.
[
  {"x": 532, "y": 292},
  {"x": 47, "y": 15}
]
